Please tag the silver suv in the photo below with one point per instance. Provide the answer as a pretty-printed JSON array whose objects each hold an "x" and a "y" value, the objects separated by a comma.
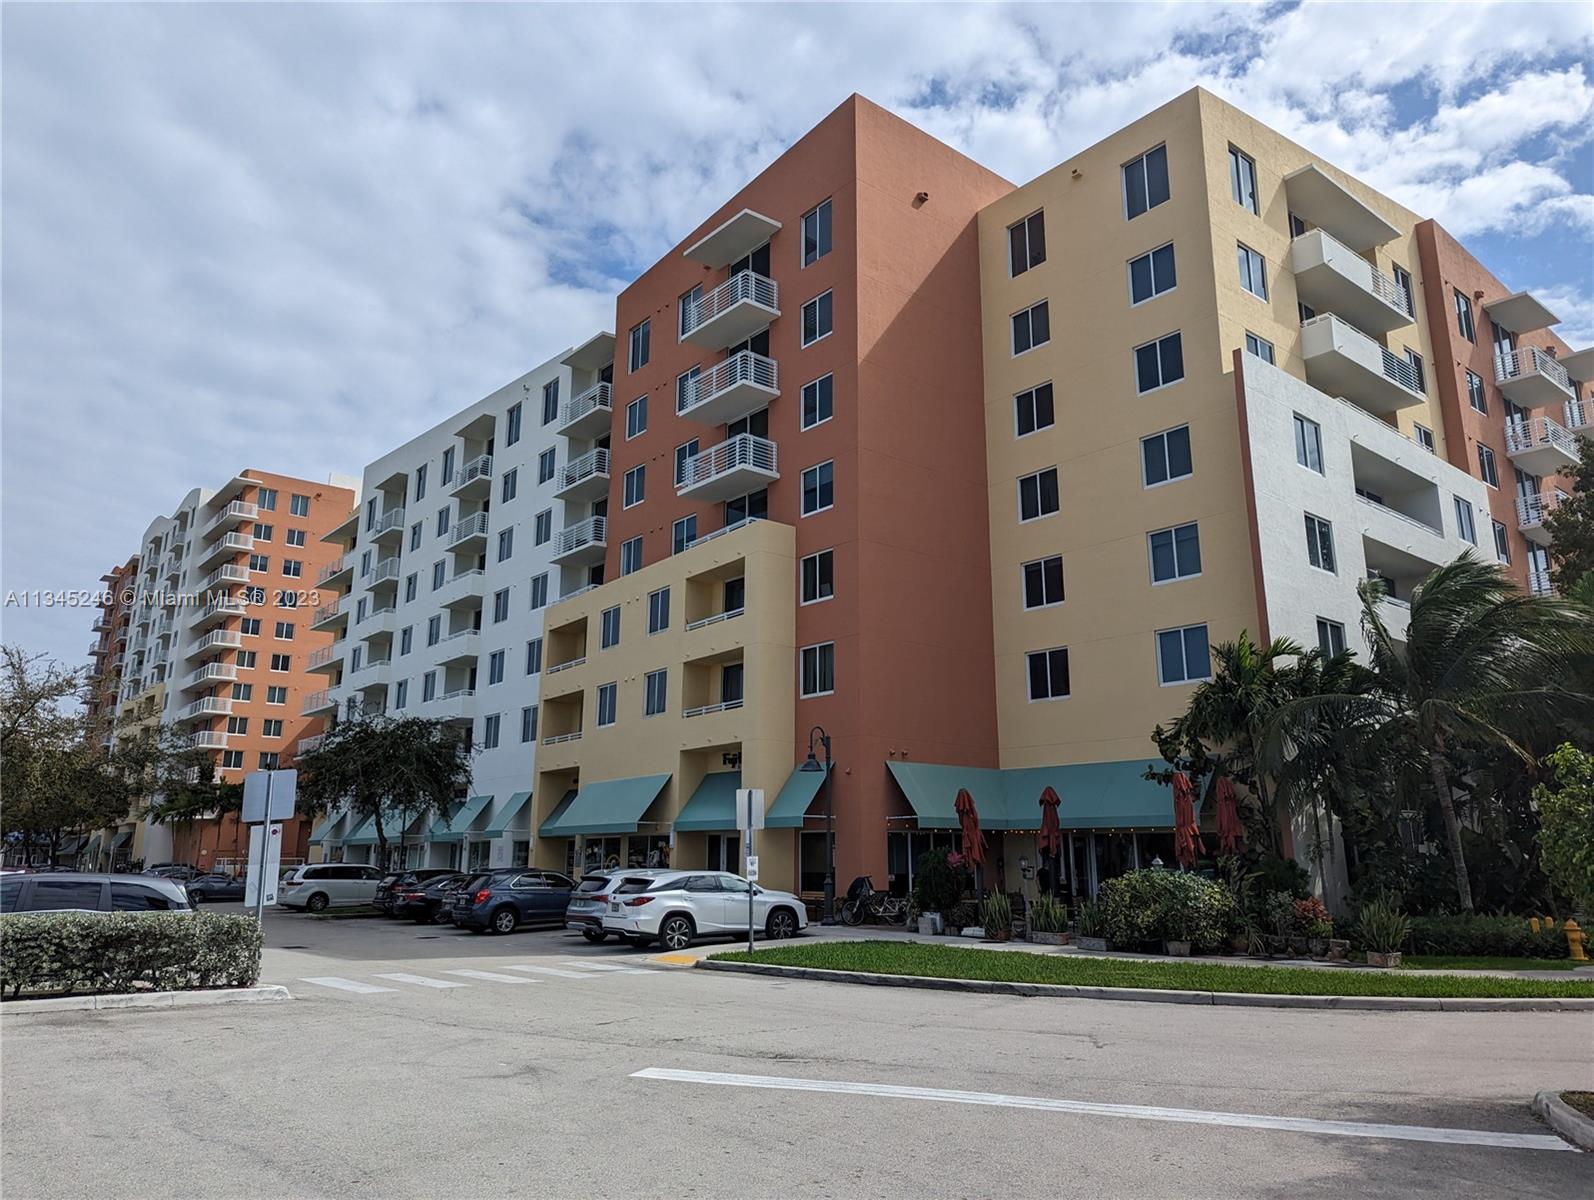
[
  {"x": 69, "y": 891},
  {"x": 319, "y": 885},
  {"x": 677, "y": 907}
]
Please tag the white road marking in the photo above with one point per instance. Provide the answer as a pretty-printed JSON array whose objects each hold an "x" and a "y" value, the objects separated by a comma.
[
  {"x": 490, "y": 976},
  {"x": 530, "y": 970},
  {"x": 603, "y": 966},
  {"x": 1137, "y": 1112},
  {"x": 345, "y": 985},
  {"x": 422, "y": 980}
]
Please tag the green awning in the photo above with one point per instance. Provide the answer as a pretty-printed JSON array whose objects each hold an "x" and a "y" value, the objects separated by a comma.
[
  {"x": 712, "y": 806},
  {"x": 932, "y": 790},
  {"x": 509, "y": 814},
  {"x": 796, "y": 795},
  {"x": 561, "y": 808},
  {"x": 121, "y": 839},
  {"x": 329, "y": 828},
  {"x": 71, "y": 845},
  {"x": 94, "y": 846},
  {"x": 466, "y": 816},
  {"x": 365, "y": 835},
  {"x": 1108, "y": 795},
  {"x": 610, "y": 806}
]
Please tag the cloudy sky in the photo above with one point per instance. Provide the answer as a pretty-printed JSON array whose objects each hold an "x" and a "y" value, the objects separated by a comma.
[{"x": 293, "y": 236}]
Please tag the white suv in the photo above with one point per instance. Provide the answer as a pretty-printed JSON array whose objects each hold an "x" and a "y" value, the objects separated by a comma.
[
  {"x": 321, "y": 885},
  {"x": 675, "y": 907}
]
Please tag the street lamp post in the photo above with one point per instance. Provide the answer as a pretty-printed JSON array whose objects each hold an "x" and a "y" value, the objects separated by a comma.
[{"x": 828, "y": 915}]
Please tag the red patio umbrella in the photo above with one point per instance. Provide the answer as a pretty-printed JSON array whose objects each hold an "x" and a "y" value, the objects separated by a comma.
[
  {"x": 1186, "y": 833},
  {"x": 969, "y": 820},
  {"x": 1231, "y": 834},
  {"x": 1051, "y": 836}
]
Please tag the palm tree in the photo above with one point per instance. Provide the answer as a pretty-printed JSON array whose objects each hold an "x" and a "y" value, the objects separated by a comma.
[{"x": 1481, "y": 667}]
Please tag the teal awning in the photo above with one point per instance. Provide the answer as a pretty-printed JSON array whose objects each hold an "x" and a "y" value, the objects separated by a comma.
[
  {"x": 712, "y": 806},
  {"x": 796, "y": 795},
  {"x": 561, "y": 808},
  {"x": 509, "y": 814},
  {"x": 94, "y": 846},
  {"x": 1107, "y": 795},
  {"x": 121, "y": 839},
  {"x": 71, "y": 845},
  {"x": 365, "y": 835},
  {"x": 329, "y": 828},
  {"x": 610, "y": 806},
  {"x": 469, "y": 813}
]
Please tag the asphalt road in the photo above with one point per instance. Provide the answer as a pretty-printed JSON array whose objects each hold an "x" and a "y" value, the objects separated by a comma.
[{"x": 431, "y": 1063}]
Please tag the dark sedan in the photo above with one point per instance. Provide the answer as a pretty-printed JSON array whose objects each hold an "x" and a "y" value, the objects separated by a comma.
[
  {"x": 397, "y": 881},
  {"x": 212, "y": 889},
  {"x": 430, "y": 902},
  {"x": 504, "y": 900}
]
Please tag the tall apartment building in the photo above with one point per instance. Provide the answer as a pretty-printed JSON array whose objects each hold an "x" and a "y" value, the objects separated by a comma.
[
  {"x": 435, "y": 588},
  {"x": 108, "y": 651},
  {"x": 220, "y": 646}
]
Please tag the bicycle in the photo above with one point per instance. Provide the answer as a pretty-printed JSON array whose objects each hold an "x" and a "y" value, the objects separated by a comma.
[{"x": 864, "y": 902}]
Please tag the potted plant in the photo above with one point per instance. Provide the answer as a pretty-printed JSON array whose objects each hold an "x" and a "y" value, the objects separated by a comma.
[
  {"x": 1048, "y": 922},
  {"x": 1314, "y": 921},
  {"x": 996, "y": 915},
  {"x": 1089, "y": 927},
  {"x": 936, "y": 889},
  {"x": 1382, "y": 930},
  {"x": 965, "y": 920}
]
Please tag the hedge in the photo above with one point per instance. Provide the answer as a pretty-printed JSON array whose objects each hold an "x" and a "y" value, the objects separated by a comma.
[
  {"x": 1486, "y": 937},
  {"x": 125, "y": 952},
  {"x": 1157, "y": 905}
]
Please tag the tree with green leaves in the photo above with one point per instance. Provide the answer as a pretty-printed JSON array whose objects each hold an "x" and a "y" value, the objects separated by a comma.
[
  {"x": 1571, "y": 526},
  {"x": 391, "y": 769},
  {"x": 1566, "y": 831}
]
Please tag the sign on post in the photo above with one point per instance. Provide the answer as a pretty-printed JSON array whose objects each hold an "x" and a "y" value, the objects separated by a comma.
[
  {"x": 749, "y": 808},
  {"x": 269, "y": 871},
  {"x": 752, "y": 868},
  {"x": 269, "y": 796}
]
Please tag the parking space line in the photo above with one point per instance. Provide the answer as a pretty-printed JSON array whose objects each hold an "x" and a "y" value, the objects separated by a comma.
[
  {"x": 345, "y": 985},
  {"x": 1136, "y": 1112},
  {"x": 422, "y": 980},
  {"x": 490, "y": 976}
]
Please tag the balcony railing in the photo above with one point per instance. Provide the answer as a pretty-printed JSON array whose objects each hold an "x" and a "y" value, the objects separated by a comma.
[
  {"x": 229, "y": 573},
  {"x": 208, "y": 739},
  {"x": 565, "y": 666},
  {"x": 333, "y": 569},
  {"x": 392, "y": 519},
  {"x": 587, "y": 410},
  {"x": 749, "y": 298},
  {"x": 1580, "y": 417},
  {"x": 222, "y": 639},
  {"x": 478, "y": 471},
  {"x": 317, "y": 701},
  {"x": 473, "y": 526},
  {"x": 745, "y": 453},
  {"x": 560, "y": 738},
  {"x": 383, "y": 572},
  {"x": 745, "y": 380},
  {"x": 593, "y": 465},
  {"x": 1539, "y": 583},
  {"x": 215, "y": 671},
  {"x": 322, "y": 655},
  {"x": 1538, "y": 433},
  {"x": 1343, "y": 361},
  {"x": 309, "y": 745},
  {"x": 238, "y": 510},
  {"x": 1529, "y": 360},
  {"x": 210, "y": 706},
  {"x": 731, "y": 615},
  {"x": 592, "y": 532},
  {"x": 723, "y": 530},
  {"x": 706, "y": 709}
]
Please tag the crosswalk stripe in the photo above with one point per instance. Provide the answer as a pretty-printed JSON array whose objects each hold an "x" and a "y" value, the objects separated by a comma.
[
  {"x": 530, "y": 970},
  {"x": 601, "y": 966},
  {"x": 422, "y": 980},
  {"x": 345, "y": 985},
  {"x": 490, "y": 976}
]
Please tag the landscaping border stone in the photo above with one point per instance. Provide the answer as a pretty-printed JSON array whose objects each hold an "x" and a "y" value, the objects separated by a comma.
[{"x": 143, "y": 1000}]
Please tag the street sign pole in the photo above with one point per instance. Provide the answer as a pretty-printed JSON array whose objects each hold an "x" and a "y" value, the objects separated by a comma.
[
  {"x": 752, "y": 874},
  {"x": 260, "y": 879},
  {"x": 749, "y": 817}
]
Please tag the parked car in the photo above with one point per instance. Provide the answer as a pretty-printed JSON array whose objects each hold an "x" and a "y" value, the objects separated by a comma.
[
  {"x": 181, "y": 872},
  {"x": 677, "y": 907},
  {"x": 394, "y": 881},
  {"x": 67, "y": 891},
  {"x": 322, "y": 885},
  {"x": 430, "y": 901},
  {"x": 210, "y": 889},
  {"x": 590, "y": 901},
  {"x": 505, "y": 899}
]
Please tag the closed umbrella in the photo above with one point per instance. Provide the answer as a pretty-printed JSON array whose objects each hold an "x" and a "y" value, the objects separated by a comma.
[
  {"x": 1231, "y": 834},
  {"x": 1050, "y": 841},
  {"x": 1186, "y": 833},
  {"x": 969, "y": 821}
]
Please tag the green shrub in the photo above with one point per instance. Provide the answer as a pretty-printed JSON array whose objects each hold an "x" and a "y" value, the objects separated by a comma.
[
  {"x": 1048, "y": 915},
  {"x": 1090, "y": 922},
  {"x": 996, "y": 914},
  {"x": 1566, "y": 826},
  {"x": 1473, "y": 935},
  {"x": 964, "y": 914},
  {"x": 1173, "y": 906},
  {"x": 123, "y": 952},
  {"x": 1381, "y": 928},
  {"x": 936, "y": 886}
]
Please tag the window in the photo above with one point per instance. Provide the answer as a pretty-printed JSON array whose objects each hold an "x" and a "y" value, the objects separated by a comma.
[
  {"x": 506, "y": 543},
  {"x": 818, "y": 670},
  {"x": 280, "y": 662},
  {"x": 245, "y": 660},
  {"x": 401, "y": 694},
  {"x": 1182, "y": 655},
  {"x": 448, "y": 465},
  {"x": 816, "y": 233},
  {"x": 608, "y": 694},
  {"x": 500, "y": 606},
  {"x": 238, "y": 725},
  {"x": 636, "y": 417},
  {"x": 659, "y": 610},
  {"x": 1330, "y": 637},
  {"x": 1297, "y": 226},
  {"x": 641, "y": 348},
  {"x": 269, "y": 760},
  {"x": 442, "y": 521},
  {"x": 495, "y": 667},
  {"x": 1465, "y": 529},
  {"x": 243, "y": 691},
  {"x": 1253, "y": 270},
  {"x": 1175, "y": 553},
  {"x": 417, "y": 530},
  {"x": 267, "y": 500},
  {"x": 818, "y": 577},
  {"x": 1404, "y": 287},
  {"x": 655, "y": 688},
  {"x": 293, "y": 568},
  {"x": 1032, "y": 327},
  {"x": 542, "y": 527},
  {"x": 539, "y": 591},
  {"x": 635, "y": 485},
  {"x": 534, "y": 656},
  {"x": 631, "y": 555},
  {"x": 370, "y": 513},
  {"x": 439, "y": 574},
  {"x": 1048, "y": 674},
  {"x": 818, "y": 401},
  {"x": 528, "y": 724},
  {"x": 1159, "y": 363},
  {"x": 1037, "y": 495},
  {"x": 550, "y": 401},
  {"x": 1486, "y": 468},
  {"x": 1242, "y": 181},
  {"x": 685, "y": 310},
  {"x": 249, "y": 626},
  {"x": 1502, "y": 544},
  {"x": 1026, "y": 243},
  {"x": 683, "y": 533},
  {"x": 260, "y": 562},
  {"x": 817, "y": 318},
  {"x": 1423, "y": 436},
  {"x": 490, "y": 730},
  {"x": 271, "y": 728},
  {"x": 434, "y": 630},
  {"x": 1165, "y": 457},
  {"x": 428, "y": 686},
  {"x": 1033, "y": 409},
  {"x": 263, "y": 532},
  {"x": 1043, "y": 582},
  {"x": 277, "y": 694},
  {"x": 1419, "y": 378},
  {"x": 1260, "y": 347},
  {"x": 819, "y": 488},
  {"x": 420, "y": 482},
  {"x": 1475, "y": 393},
  {"x": 1464, "y": 321},
  {"x": 406, "y": 639},
  {"x": 545, "y": 465},
  {"x": 1309, "y": 443},
  {"x": 294, "y": 537},
  {"x": 509, "y": 485},
  {"x": 299, "y": 506},
  {"x": 284, "y": 631},
  {"x": 1145, "y": 182},
  {"x": 1151, "y": 275},
  {"x": 1319, "y": 543},
  {"x": 686, "y": 389},
  {"x": 609, "y": 628}
]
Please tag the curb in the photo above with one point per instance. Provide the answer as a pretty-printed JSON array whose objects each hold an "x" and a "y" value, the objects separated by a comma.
[
  {"x": 121, "y": 1000},
  {"x": 1565, "y": 1120},
  {"x": 1151, "y": 996}
]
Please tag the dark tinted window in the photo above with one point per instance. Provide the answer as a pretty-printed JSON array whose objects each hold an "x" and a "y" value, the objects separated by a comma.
[
  {"x": 630, "y": 887},
  {"x": 138, "y": 897},
  {"x": 700, "y": 883},
  {"x": 593, "y": 883},
  {"x": 10, "y": 889},
  {"x": 557, "y": 880},
  {"x": 50, "y": 894},
  {"x": 529, "y": 881}
]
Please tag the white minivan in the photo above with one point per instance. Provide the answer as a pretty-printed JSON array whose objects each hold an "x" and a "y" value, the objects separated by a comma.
[{"x": 322, "y": 885}]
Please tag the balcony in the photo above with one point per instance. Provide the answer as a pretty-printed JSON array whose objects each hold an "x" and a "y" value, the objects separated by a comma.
[
  {"x": 460, "y": 649},
  {"x": 1343, "y": 361},
  {"x": 566, "y": 666},
  {"x": 742, "y": 384},
  {"x": 328, "y": 658},
  {"x": 585, "y": 542},
  {"x": 589, "y": 414},
  {"x": 1539, "y": 446},
  {"x": 732, "y": 312},
  {"x": 384, "y": 574},
  {"x": 229, "y": 517},
  {"x": 172, "y": 572},
  {"x": 330, "y": 616},
  {"x": 1333, "y": 278},
  {"x": 378, "y": 623},
  {"x": 336, "y": 573},
  {"x": 1580, "y": 417},
  {"x": 364, "y": 670},
  {"x": 1316, "y": 197},
  {"x": 1530, "y": 377},
  {"x": 215, "y": 643},
  {"x": 464, "y": 589},
  {"x": 323, "y": 701},
  {"x": 309, "y": 745},
  {"x": 1539, "y": 584},
  {"x": 1520, "y": 312},
  {"x": 220, "y": 611},
  {"x": 226, "y": 547},
  {"x": 102, "y": 623},
  {"x": 213, "y": 672},
  {"x": 470, "y": 534},
  {"x": 210, "y": 706},
  {"x": 389, "y": 527},
  {"x": 458, "y": 705},
  {"x": 1531, "y": 512},
  {"x": 208, "y": 739},
  {"x": 1396, "y": 615},
  {"x": 587, "y": 478},
  {"x": 704, "y": 710},
  {"x": 222, "y": 575},
  {"x": 735, "y": 467},
  {"x": 731, "y": 239},
  {"x": 475, "y": 478}
]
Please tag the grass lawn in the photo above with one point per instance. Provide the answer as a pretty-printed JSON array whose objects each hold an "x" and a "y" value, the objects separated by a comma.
[
  {"x": 1582, "y": 1101},
  {"x": 956, "y": 962},
  {"x": 1452, "y": 962}
]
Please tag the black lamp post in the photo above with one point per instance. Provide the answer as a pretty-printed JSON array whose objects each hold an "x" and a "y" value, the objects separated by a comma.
[{"x": 828, "y": 915}]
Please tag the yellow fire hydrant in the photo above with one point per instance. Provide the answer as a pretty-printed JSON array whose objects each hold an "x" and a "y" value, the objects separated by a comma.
[{"x": 1575, "y": 938}]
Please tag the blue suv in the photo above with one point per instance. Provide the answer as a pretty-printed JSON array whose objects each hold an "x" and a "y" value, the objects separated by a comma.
[{"x": 503, "y": 900}]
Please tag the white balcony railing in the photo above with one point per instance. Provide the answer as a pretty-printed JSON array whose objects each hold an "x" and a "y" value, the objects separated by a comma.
[
  {"x": 742, "y": 369},
  {"x": 741, "y": 288},
  {"x": 238, "y": 510},
  {"x": 215, "y": 671},
  {"x": 560, "y": 738},
  {"x": 208, "y": 739},
  {"x": 723, "y": 530},
  {"x": 1529, "y": 360},
  {"x": 382, "y": 572},
  {"x": 316, "y": 701},
  {"x": 715, "y": 619},
  {"x": 1538, "y": 433},
  {"x": 322, "y": 655},
  {"x": 598, "y": 397},
  {"x": 591, "y": 532},
  {"x": 229, "y": 573},
  {"x": 392, "y": 519},
  {"x": 742, "y": 452},
  {"x": 706, "y": 709},
  {"x": 477, "y": 470},
  {"x": 209, "y": 706},
  {"x": 590, "y": 464},
  {"x": 1539, "y": 583},
  {"x": 472, "y": 526},
  {"x": 222, "y": 639},
  {"x": 565, "y": 666},
  {"x": 333, "y": 569},
  {"x": 1531, "y": 510}
]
